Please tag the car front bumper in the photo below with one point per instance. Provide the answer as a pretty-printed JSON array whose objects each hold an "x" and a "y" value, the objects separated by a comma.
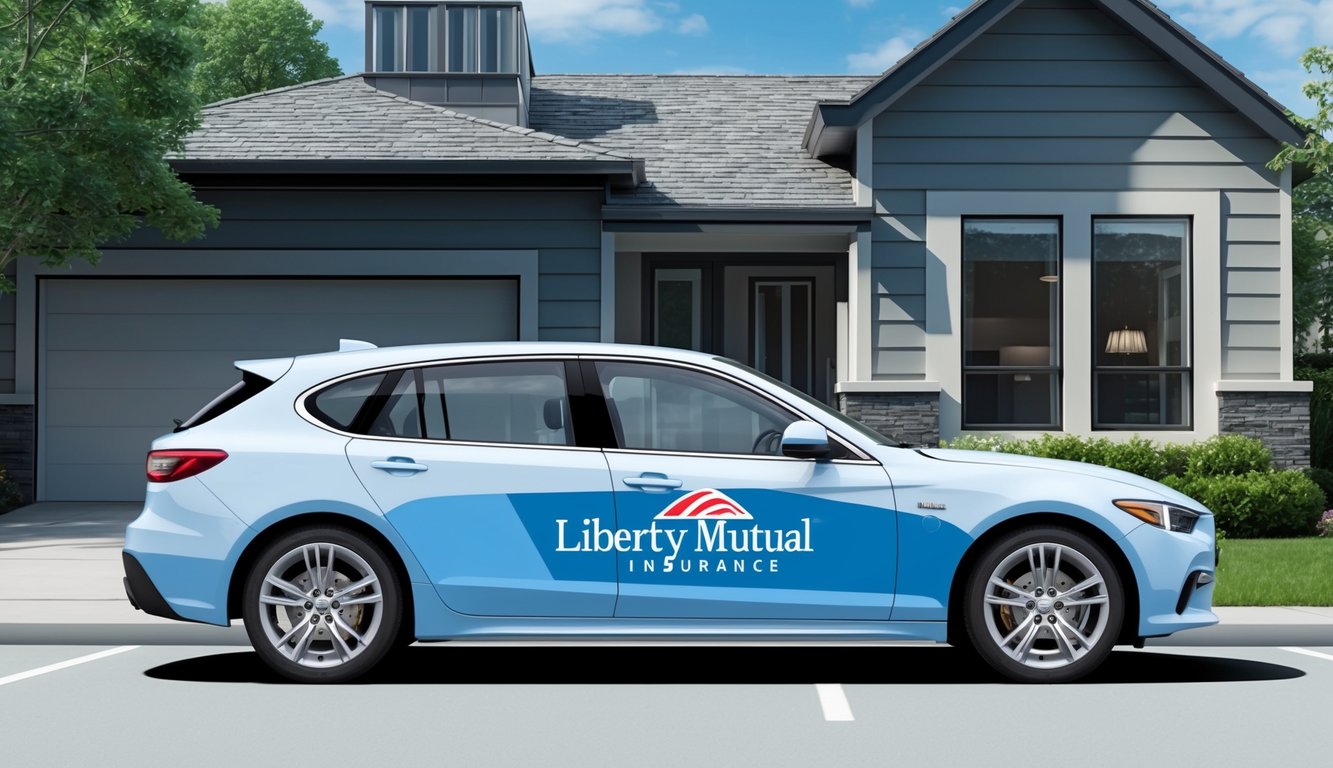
[{"x": 1168, "y": 567}]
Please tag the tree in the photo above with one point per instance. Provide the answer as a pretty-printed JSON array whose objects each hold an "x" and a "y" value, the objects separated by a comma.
[
  {"x": 256, "y": 45},
  {"x": 1312, "y": 206},
  {"x": 93, "y": 95}
]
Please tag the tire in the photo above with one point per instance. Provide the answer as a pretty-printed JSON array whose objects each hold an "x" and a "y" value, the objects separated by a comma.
[
  {"x": 1025, "y": 632},
  {"x": 321, "y": 638}
]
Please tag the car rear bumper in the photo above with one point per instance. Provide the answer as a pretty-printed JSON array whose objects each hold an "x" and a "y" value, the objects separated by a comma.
[{"x": 180, "y": 552}]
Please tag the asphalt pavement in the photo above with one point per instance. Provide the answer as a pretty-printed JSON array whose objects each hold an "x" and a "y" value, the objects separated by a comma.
[{"x": 85, "y": 679}]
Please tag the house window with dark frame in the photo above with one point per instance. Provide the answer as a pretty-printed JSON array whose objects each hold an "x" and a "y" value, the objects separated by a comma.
[
  {"x": 423, "y": 37},
  {"x": 1141, "y": 341},
  {"x": 1011, "y": 323}
]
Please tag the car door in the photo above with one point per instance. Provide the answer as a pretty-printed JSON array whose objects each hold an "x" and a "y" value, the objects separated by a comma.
[
  {"x": 477, "y": 466},
  {"x": 716, "y": 524}
]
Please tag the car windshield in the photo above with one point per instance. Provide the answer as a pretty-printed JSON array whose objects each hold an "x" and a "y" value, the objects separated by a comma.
[{"x": 862, "y": 429}]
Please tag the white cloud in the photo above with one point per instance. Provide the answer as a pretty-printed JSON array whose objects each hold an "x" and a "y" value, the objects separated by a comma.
[
  {"x": 1286, "y": 25},
  {"x": 694, "y": 24},
  {"x": 886, "y": 55},
  {"x": 860, "y": 3},
  {"x": 562, "y": 20}
]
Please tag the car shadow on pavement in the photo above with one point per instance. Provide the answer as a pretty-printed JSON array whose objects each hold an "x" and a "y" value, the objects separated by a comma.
[{"x": 701, "y": 664}]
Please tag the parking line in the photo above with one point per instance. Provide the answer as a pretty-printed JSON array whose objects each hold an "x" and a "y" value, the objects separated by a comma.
[
  {"x": 1316, "y": 654},
  {"x": 833, "y": 700},
  {"x": 14, "y": 678}
]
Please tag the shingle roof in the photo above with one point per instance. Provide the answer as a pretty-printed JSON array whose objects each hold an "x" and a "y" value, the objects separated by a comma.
[
  {"x": 706, "y": 139},
  {"x": 345, "y": 119}
]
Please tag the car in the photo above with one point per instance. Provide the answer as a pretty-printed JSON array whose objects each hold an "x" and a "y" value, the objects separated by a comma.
[{"x": 346, "y": 504}]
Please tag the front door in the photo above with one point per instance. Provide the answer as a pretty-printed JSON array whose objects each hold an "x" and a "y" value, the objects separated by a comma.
[
  {"x": 477, "y": 467},
  {"x": 777, "y": 317},
  {"x": 719, "y": 525}
]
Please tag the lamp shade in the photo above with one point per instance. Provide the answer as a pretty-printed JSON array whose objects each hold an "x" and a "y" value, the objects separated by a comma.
[{"x": 1126, "y": 341}]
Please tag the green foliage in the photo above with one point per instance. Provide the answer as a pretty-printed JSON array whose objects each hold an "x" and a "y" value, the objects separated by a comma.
[
  {"x": 1228, "y": 455},
  {"x": 1322, "y": 478},
  {"x": 257, "y": 45},
  {"x": 1316, "y": 151},
  {"x": 1257, "y": 504},
  {"x": 1321, "y": 415},
  {"x": 93, "y": 95},
  {"x": 9, "y": 492},
  {"x": 1232, "y": 475}
]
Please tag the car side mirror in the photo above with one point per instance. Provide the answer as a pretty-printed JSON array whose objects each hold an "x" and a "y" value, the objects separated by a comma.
[{"x": 805, "y": 440}]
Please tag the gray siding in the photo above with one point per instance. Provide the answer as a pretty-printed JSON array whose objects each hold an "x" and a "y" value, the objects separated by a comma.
[
  {"x": 564, "y": 226},
  {"x": 1059, "y": 97}
]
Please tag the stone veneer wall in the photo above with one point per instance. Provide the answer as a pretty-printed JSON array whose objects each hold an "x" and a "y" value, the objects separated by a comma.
[
  {"x": 1280, "y": 419},
  {"x": 16, "y": 446},
  {"x": 913, "y": 417}
]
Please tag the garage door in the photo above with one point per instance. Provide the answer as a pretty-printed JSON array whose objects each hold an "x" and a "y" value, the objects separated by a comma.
[{"x": 119, "y": 359}]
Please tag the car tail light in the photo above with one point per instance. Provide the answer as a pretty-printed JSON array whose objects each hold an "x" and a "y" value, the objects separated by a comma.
[{"x": 166, "y": 466}]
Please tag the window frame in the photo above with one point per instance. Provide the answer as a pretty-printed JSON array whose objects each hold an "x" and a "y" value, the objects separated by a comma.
[
  {"x": 1055, "y": 370},
  {"x": 1186, "y": 315},
  {"x": 438, "y": 57}
]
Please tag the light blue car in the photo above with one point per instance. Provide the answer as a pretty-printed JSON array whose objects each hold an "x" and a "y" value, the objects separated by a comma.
[{"x": 346, "y": 504}]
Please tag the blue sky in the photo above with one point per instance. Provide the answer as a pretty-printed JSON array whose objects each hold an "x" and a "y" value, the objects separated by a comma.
[{"x": 1263, "y": 38}]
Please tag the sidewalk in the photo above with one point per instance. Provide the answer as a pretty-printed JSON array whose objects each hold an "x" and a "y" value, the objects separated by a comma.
[{"x": 60, "y": 577}]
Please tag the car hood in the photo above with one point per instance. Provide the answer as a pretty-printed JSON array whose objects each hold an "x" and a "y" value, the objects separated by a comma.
[{"x": 1150, "y": 489}]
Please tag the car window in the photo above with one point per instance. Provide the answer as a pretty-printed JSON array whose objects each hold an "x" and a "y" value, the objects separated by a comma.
[
  {"x": 661, "y": 408},
  {"x": 400, "y": 416},
  {"x": 508, "y": 402},
  {"x": 339, "y": 405}
]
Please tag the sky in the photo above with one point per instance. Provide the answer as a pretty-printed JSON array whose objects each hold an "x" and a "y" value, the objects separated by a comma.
[{"x": 1262, "y": 38}]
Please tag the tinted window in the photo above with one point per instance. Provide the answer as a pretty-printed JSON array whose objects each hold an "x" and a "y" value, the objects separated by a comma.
[
  {"x": 338, "y": 405},
  {"x": 400, "y": 416},
  {"x": 249, "y": 386},
  {"x": 659, "y": 408},
  {"x": 510, "y": 402}
]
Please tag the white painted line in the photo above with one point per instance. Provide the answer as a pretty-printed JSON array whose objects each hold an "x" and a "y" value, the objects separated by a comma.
[
  {"x": 834, "y": 701},
  {"x": 14, "y": 678},
  {"x": 1316, "y": 654}
]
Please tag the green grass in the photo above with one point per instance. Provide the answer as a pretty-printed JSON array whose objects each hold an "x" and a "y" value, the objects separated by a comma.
[{"x": 1275, "y": 572}]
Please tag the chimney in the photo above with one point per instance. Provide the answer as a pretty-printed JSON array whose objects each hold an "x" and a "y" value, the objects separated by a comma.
[{"x": 470, "y": 57}]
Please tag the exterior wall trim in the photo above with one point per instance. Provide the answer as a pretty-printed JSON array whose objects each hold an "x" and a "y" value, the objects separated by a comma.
[
  {"x": 1235, "y": 385},
  {"x": 870, "y": 387},
  {"x": 944, "y": 212}
]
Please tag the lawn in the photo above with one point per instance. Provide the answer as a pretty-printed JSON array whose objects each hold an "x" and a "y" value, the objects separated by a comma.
[{"x": 1275, "y": 572}]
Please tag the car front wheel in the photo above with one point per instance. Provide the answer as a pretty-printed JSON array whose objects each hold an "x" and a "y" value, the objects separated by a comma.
[
  {"x": 1044, "y": 605},
  {"x": 322, "y": 605}
]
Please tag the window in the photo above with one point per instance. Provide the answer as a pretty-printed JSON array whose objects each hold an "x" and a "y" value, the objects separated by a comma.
[
  {"x": 400, "y": 415},
  {"x": 422, "y": 39},
  {"x": 678, "y": 308},
  {"x": 1011, "y": 323},
  {"x": 483, "y": 39},
  {"x": 339, "y": 405},
  {"x": 388, "y": 38},
  {"x": 1141, "y": 338},
  {"x": 510, "y": 402},
  {"x": 659, "y": 408}
]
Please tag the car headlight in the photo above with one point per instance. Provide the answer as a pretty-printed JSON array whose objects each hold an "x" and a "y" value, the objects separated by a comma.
[{"x": 1168, "y": 517}]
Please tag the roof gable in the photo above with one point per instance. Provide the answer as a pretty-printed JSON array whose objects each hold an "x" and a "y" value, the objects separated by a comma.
[{"x": 832, "y": 127}]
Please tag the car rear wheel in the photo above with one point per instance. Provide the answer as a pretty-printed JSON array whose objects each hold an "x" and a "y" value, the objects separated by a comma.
[
  {"x": 1044, "y": 605},
  {"x": 322, "y": 605}
]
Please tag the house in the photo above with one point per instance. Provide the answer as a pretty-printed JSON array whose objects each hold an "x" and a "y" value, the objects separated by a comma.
[{"x": 1053, "y": 215}]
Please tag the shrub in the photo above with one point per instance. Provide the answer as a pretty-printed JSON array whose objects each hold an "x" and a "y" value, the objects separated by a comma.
[
  {"x": 1228, "y": 455},
  {"x": 1257, "y": 504},
  {"x": 1321, "y": 415},
  {"x": 1326, "y": 524},
  {"x": 1139, "y": 455},
  {"x": 9, "y": 492},
  {"x": 1322, "y": 478}
]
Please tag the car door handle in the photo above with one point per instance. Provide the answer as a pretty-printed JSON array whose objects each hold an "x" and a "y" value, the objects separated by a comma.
[
  {"x": 397, "y": 464},
  {"x": 653, "y": 481}
]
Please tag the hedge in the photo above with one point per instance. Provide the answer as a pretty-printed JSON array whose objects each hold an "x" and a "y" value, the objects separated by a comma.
[{"x": 1232, "y": 475}]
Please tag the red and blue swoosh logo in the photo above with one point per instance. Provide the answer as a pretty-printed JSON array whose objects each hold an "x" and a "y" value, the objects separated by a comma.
[{"x": 704, "y": 503}]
